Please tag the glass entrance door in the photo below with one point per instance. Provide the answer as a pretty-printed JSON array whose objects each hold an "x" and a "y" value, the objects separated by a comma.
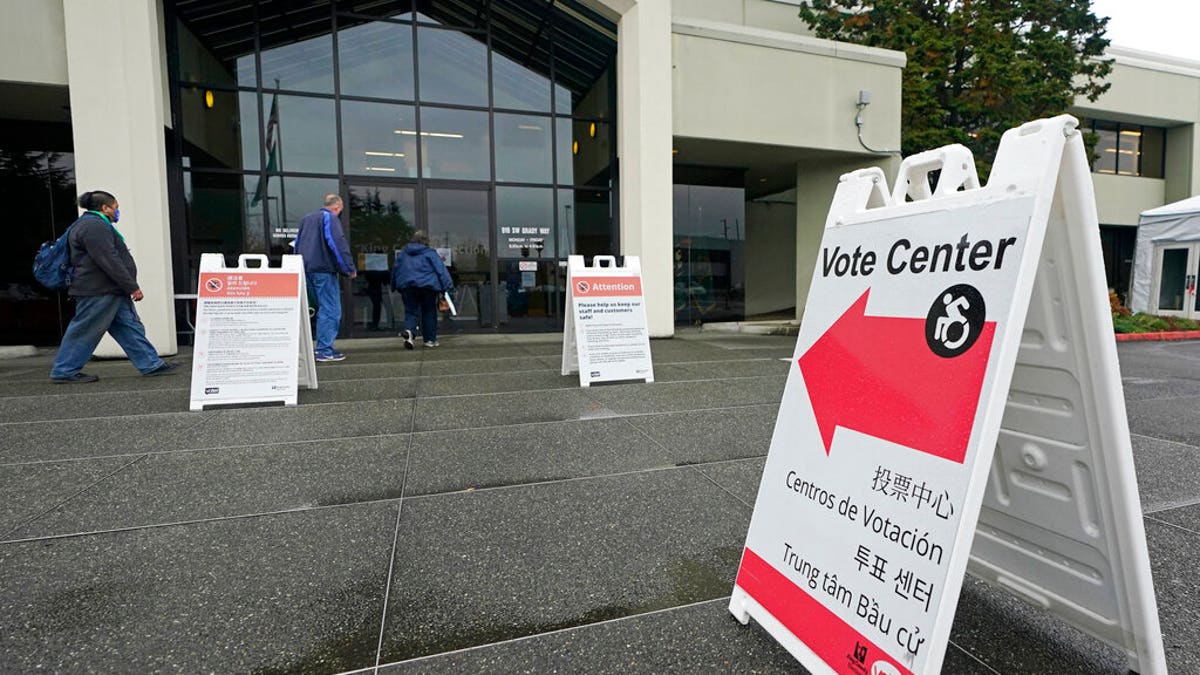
[
  {"x": 1175, "y": 272},
  {"x": 380, "y": 218},
  {"x": 458, "y": 223}
]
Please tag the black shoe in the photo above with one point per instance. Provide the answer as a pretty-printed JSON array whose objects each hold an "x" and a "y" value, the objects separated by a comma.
[
  {"x": 166, "y": 368},
  {"x": 77, "y": 378}
]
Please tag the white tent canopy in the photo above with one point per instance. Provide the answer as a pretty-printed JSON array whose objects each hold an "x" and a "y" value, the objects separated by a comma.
[{"x": 1172, "y": 223}]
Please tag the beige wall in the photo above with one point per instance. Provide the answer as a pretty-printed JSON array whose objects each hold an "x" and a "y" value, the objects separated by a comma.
[
  {"x": 815, "y": 185},
  {"x": 771, "y": 253},
  {"x": 33, "y": 43},
  {"x": 773, "y": 15},
  {"x": 788, "y": 91},
  {"x": 1149, "y": 89},
  {"x": 1119, "y": 199}
]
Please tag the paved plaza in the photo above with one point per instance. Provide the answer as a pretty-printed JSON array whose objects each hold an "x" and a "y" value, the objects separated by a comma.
[{"x": 467, "y": 509}]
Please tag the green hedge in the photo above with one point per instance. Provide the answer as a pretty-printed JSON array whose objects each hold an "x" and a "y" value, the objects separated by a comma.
[{"x": 1148, "y": 323}]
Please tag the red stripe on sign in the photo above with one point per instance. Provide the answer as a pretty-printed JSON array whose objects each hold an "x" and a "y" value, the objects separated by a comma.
[{"x": 833, "y": 640}]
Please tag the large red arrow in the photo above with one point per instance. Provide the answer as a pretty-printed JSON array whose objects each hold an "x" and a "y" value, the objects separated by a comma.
[{"x": 878, "y": 376}]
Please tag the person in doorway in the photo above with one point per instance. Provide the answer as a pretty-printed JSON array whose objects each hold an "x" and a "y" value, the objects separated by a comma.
[
  {"x": 104, "y": 287},
  {"x": 322, "y": 243},
  {"x": 421, "y": 278}
]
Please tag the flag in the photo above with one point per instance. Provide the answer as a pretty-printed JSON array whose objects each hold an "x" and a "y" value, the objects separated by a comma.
[{"x": 272, "y": 150}]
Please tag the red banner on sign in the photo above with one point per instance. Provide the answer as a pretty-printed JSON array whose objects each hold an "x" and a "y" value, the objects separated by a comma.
[
  {"x": 248, "y": 285},
  {"x": 585, "y": 287}
]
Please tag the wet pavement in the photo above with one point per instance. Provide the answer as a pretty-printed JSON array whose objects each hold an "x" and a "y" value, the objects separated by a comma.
[{"x": 468, "y": 509}]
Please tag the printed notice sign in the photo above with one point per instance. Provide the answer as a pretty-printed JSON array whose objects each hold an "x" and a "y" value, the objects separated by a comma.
[
  {"x": 249, "y": 323},
  {"x": 606, "y": 337},
  {"x": 862, "y": 495}
]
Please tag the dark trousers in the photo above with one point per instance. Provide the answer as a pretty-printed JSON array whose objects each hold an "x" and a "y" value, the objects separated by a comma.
[{"x": 420, "y": 306}]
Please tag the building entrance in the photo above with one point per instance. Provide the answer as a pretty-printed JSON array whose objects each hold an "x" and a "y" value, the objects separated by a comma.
[{"x": 503, "y": 279}]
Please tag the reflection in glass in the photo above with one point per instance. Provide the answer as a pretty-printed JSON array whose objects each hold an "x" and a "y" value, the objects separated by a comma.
[
  {"x": 370, "y": 142},
  {"x": 533, "y": 295},
  {"x": 375, "y": 60},
  {"x": 1171, "y": 282},
  {"x": 301, "y": 66},
  {"x": 1129, "y": 150},
  {"x": 517, "y": 86},
  {"x": 197, "y": 63},
  {"x": 395, "y": 9},
  {"x": 45, "y": 181},
  {"x": 379, "y": 221},
  {"x": 584, "y": 152},
  {"x": 285, "y": 207},
  {"x": 458, "y": 227},
  {"x": 523, "y": 149},
  {"x": 224, "y": 135},
  {"x": 1106, "y": 148},
  {"x": 222, "y": 217},
  {"x": 454, "y": 143},
  {"x": 585, "y": 223},
  {"x": 302, "y": 136},
  {"x": 524, "y": 222},
  {"x": 452, "y": 67},
  {"x": 709, "y": 266}
]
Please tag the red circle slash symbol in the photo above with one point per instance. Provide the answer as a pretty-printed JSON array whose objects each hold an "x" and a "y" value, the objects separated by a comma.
[
  {"x": 214, "y": 285},
  {"x": 583, "y": 287}
]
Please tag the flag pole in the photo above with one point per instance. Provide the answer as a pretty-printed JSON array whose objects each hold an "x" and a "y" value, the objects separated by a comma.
[{"x": 279, "y": 151}]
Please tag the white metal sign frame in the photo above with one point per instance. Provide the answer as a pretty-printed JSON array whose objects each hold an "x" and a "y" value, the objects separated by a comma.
[{"x": 1059, "y": 519}]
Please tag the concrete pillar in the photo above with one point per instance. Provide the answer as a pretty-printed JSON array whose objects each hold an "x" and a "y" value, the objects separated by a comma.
[
  {"x": 115, "y": 75},
  {"x": 1182, "y": 155},
  {"x": 815, "y": 184},
  {"x": 644, "y": 137}
]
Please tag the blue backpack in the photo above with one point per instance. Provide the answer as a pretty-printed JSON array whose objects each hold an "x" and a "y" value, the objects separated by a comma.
[{"x": 52, "y": 264}]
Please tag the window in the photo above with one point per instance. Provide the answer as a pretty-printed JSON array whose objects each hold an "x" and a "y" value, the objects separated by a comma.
[{"x": 1127, "y": 149}]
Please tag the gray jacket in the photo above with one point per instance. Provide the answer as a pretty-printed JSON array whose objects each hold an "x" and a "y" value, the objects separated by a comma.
[{"x": 103, "y": 264}]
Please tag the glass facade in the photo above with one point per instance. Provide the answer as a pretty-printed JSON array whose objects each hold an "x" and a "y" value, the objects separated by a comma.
[
  {"x": 709, "y": 252},
  {"x": 488, "y": 123}
]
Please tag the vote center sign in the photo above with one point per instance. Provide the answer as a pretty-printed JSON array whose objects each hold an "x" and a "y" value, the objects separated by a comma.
[{"x": 890, "y": 418}]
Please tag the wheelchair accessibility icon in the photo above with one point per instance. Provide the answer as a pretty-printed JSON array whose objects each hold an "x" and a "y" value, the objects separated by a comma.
[{"x": 955, "y": 320}]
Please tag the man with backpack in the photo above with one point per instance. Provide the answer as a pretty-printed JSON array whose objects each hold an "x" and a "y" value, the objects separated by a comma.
[
  {"x": 322, "y": 243},
  {"x": 103, "y": 284}
]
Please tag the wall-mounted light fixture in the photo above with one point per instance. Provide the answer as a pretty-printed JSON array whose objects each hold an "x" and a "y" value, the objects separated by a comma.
[
  {"x": 592, "y": 130},
  {"x": 208, "y": 99},
  {"x": 864, "y": 100},
  {"x": 574, "y": 147}
]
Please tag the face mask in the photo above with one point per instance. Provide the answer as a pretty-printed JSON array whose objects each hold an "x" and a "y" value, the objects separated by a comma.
[{"x": 116, "y": 215}]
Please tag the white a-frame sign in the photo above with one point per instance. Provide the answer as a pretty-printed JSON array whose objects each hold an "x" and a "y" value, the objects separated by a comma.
[
  {"x": 605, "y": 334},
  {"x": 253, "y": 340},
  {"x": 954, "y": 402}
]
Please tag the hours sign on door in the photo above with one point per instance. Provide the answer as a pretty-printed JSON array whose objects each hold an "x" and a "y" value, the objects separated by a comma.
[{"x": 861, "y": 502}]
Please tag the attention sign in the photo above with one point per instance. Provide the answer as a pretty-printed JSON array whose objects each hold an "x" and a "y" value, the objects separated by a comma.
[
  {"x": 605, "y": 336},
  {"x": 253, "y": 342}
]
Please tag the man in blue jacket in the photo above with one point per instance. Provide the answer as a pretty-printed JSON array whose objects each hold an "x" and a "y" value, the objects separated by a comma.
[
  {"x": 421, "y": 277},
  {"x": 322, "y": 243}
]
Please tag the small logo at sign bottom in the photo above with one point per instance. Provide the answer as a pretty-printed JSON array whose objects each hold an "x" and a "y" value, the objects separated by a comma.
[
  {"x": 212, "y": 390},
  {"x": 595, "y": 373}
]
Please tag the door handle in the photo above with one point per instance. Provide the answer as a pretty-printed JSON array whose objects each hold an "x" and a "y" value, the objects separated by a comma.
[{"x": 1190, "y": 283}]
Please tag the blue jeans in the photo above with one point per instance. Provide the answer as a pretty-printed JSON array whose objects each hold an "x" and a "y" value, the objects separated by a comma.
[
  {"x": 96, "y": 315},
  {"x": 325, "y": 288},
  {"x": 421, "y": 303}
]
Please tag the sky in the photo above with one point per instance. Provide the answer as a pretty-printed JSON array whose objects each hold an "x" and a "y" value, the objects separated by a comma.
[{"x": 1163, "y": 26}]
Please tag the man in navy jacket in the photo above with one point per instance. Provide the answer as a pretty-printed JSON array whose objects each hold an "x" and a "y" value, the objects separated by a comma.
[{"x": 322, "y": 243}]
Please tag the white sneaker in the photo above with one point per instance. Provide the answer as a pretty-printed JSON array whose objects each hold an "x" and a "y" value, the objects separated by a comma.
[
  {"x": 408, "y": 338},
  {"x": 432, "y": 344}
]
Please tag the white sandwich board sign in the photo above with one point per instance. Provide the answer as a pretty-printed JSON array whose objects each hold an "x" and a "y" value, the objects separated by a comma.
[
  {"x": 955, "y": 370},
  {"x": 253, "y": 340},
  {"x": 605, "y": 336}
]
